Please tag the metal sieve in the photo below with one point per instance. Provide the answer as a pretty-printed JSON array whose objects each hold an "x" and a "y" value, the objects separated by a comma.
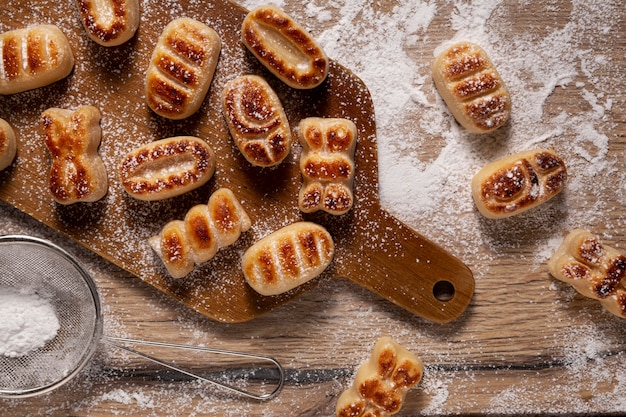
[{"x": 37, "y": 266}]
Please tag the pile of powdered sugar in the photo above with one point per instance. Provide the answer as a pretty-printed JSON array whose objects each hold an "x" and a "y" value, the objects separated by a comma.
[{"x": 27, "y": 322}]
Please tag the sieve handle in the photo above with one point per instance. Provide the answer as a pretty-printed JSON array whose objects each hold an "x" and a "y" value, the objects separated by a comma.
[{"x": 115, "y": 342}]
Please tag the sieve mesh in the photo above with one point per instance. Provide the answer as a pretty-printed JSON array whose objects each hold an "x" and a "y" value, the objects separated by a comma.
[{"x": 37, "y": 266}]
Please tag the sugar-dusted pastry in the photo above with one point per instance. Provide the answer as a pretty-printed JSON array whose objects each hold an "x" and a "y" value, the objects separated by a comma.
[
  {"x": 327, "y": 164},
  {"x": 287, "y": 258},
  {"x": 595, "y": 270},
  {"x": 207, "y": 227},
  {"x": 284, "y": 47},
  {"x": 77, "y": 173},
  {"x": 518, "y": 182},
  {"x": 167, "y": 168},
  {"x": 471, "y": 87},
  {"x": 381, "y": 382},
  {"x": 181, "y": 68},
  {"x": 109, "y": 23},
  {"x": 8, "y": 144},
  {"x": 256, "y": 120},
  {"x": 33, "y": 57}
]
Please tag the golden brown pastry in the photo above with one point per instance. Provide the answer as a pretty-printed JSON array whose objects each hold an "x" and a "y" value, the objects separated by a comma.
[
  {"x": 109, "y": 23},
  {"x": 181, "y": 68},
  {"x": 77, "y": 173},
  {"x": 284, "y": 47},
  {"x": 33, "y": 57},
  {"x": 381, "y": 383},
  {"x": 167, "y": 168},
  {"x": 8, "y": 144},
  {"x": 256, "y": 120},
  {"x": 287, "y": 258},
  {"x": 327, "y": 164},
  {"x": 595, "y": 270},
  {"x": 471, "y": 87},
  {"x": 206, "y": 228},
  {"x": 518, "y": 183}
]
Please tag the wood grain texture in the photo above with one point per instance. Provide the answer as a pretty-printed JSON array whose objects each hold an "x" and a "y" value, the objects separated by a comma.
[{"x": 525, "y": 345}]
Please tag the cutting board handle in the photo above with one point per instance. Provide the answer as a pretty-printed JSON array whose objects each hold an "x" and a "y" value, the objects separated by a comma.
[{"x": 409, "y": 270}]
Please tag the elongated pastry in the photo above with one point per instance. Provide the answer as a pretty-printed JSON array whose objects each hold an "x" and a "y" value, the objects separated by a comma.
[
  {"x": 77, "y": 173},
  {"x": 381, "y": 383},
  {"x": 595, "y": 270},
  {"x": 284, "y": 47},
  {"x": 8, "y": 144},
  {"x": 256, "y": 120},
  {"x": 167, "y": 168},
  {"x": 518, "y": 183},
  {"x": 287, "y": 258},
  {"x": 327, "y": 164},
  {"x": 111, "y": 22},
  {"x": 206, "y": 228},
  {"x": 471, "y": 87},
  {"x": 181, "y": 68},
  {"x": 33, "y": 57}
]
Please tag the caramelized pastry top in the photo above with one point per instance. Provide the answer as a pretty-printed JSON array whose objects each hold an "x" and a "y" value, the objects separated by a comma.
[{"x": 109, "y": 23}]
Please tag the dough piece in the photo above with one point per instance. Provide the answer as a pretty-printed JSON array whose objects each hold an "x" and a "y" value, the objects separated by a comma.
[
  {"x": 518, "y": 183},
  {"x": 471, "y": 87},
  {"x": 256, "y": 120},
  {"x": 167, "y": 168},
  {"x": 33, "y": 57},
  {"x": 206, "y": 228},
  {"x": 284, "y": 47},
  {"x": 381, "y": 382},
  {"x": 327, "y": 164},
  {"x": 77, "y": 172},
  {"x": 181, "y": 68},
  {"x": 287, "y": 258},
  {"x": 109, "y": 23},
  {"x": 593, "y": 269},
  {"x": 8, "y": 144}
]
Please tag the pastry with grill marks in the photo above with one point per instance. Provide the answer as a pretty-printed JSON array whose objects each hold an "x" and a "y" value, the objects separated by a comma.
[
  {"x": 287, "y": 258},
  {"x": 109, "y": 23},
  {"x": 181, "y": 68},
  {"x": 8, "y": 144},
  {"x": 518, "y": 182},
  {"x": 327, "y": 164},
  {"x": 167, "y": 168},
  {"x": 595, "y": 270},
  {"x": 381, "y": 382},
  {"x": 33, "y": 57},
  {"x": 77, "y": 173},
  {"x": 471, "y": 87},
  {"x": 182, "y": 244},
  {"x": 256, "y": 120},
  {"x": 284, "y": 47}
]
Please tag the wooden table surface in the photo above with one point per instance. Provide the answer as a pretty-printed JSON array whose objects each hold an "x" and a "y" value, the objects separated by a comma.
[{"x": 526, "y": 344}]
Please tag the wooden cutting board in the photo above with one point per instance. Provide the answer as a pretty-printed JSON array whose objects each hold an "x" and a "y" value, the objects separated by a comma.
[{"x": 373, "y": 249}]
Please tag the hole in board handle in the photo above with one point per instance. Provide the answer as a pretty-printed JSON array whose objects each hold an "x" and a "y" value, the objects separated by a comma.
[{"x": 443, "y": 291}]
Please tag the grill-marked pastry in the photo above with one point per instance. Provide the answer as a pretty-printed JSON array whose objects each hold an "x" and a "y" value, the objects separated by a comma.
[
  {"x": 595, "y": 270},
  {"x": 167, "y": 168},
  {"x": 287, "y": 258},
  {"x": 181, "y": 68},
  {"x": 327, "y": 164},
  {"x": 518, "y": 182},
  {"x": 284, "y": 47},
  {"x": 33, "y": 57},
  {"x": 381, "y": 383},
  {"x": 77, "y": 173},
  {"x": 256, "y": 120},
  {"x": 471, "y": 87},
  {"x": 206, "y": 228},
  {"x": 111, "y": 22},
  {"x": 8, "y": 144}
]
